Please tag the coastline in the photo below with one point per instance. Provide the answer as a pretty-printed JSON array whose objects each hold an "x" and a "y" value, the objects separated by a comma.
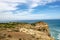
[{"x": 38, "y": 29}]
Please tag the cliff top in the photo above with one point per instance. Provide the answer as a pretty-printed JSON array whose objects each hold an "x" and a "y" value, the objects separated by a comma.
[{"x": 25, "y": 31}]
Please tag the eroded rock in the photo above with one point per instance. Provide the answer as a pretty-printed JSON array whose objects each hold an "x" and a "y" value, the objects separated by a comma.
[{"x": 36, "y": 31}]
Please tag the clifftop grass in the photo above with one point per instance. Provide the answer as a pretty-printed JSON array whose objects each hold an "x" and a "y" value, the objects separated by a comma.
[{"x": 24, "y": 31}]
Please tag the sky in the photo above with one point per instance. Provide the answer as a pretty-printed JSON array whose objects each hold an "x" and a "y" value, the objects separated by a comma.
[{"x": 29, "y": 9}]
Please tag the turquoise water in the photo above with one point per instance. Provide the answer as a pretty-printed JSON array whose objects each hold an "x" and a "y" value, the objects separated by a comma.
[{"x": 54, "y": 26}]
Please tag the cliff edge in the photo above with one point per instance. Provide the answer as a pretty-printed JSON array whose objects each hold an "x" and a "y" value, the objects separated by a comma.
[{"x": 25, "y": 31}]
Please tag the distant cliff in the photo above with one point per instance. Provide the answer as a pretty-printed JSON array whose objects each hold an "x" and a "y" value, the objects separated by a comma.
[{"x": 25, "y": 31}]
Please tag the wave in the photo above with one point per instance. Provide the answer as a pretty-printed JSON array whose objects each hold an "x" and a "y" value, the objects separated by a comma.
[
  {"x": 58, "y": 36},
  {"x": 55, "y": 34}
]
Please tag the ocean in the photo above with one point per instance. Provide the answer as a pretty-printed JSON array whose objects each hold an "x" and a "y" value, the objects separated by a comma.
[{"x": 54, "y": 26}]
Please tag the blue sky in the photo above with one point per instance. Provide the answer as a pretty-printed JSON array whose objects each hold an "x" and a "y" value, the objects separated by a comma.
[{"x": 29, "y": 9}]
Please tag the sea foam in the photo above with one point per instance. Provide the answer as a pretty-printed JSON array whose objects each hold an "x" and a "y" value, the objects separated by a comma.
[{"x": 58, "y": 36}]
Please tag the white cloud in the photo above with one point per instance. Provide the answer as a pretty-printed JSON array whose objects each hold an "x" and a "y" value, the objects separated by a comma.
[
  {"x": 35, "y": 3},
  {"x": 19, "y": 16},
  {"x": 11, "y": 4},
  {"x": 14, "y": 1},
  {"x": 26, "y": 16},
  {"x": 8, "y": 5},
  {"x": 54, "y": 6}
]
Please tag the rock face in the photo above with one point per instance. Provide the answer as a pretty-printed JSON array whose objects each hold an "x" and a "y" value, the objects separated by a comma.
[
  {"x": 36, "y": 31},
  {"x": 41, "y": 26}
]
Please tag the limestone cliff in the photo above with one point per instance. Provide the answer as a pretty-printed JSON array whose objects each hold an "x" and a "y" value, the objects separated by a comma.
[{"x": 35, "y": 31}]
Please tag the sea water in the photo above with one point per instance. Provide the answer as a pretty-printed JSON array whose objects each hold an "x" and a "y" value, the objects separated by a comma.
[{"x": 54, "y": 26}]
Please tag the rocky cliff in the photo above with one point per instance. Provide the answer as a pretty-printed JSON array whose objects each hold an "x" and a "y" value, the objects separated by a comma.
[{"x": 24, "y": 31}]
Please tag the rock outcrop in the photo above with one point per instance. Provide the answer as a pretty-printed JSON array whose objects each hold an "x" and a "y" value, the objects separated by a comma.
[
  {"x": 35, "y": 31},
  {"x": 41, "y": 26}
]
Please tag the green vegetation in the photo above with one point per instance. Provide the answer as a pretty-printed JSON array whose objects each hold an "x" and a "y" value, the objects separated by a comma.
[
  {"x": 17, "y": 24},
  {"x": 11, "y": 24},
  {"x": 7, "y": 25}
]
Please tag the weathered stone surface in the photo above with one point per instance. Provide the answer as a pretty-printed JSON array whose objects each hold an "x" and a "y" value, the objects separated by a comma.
[
  {"x": 36, "y": 34},
  {"x": 41, "y": 26},
  {"x": 36, "y": 31}
]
